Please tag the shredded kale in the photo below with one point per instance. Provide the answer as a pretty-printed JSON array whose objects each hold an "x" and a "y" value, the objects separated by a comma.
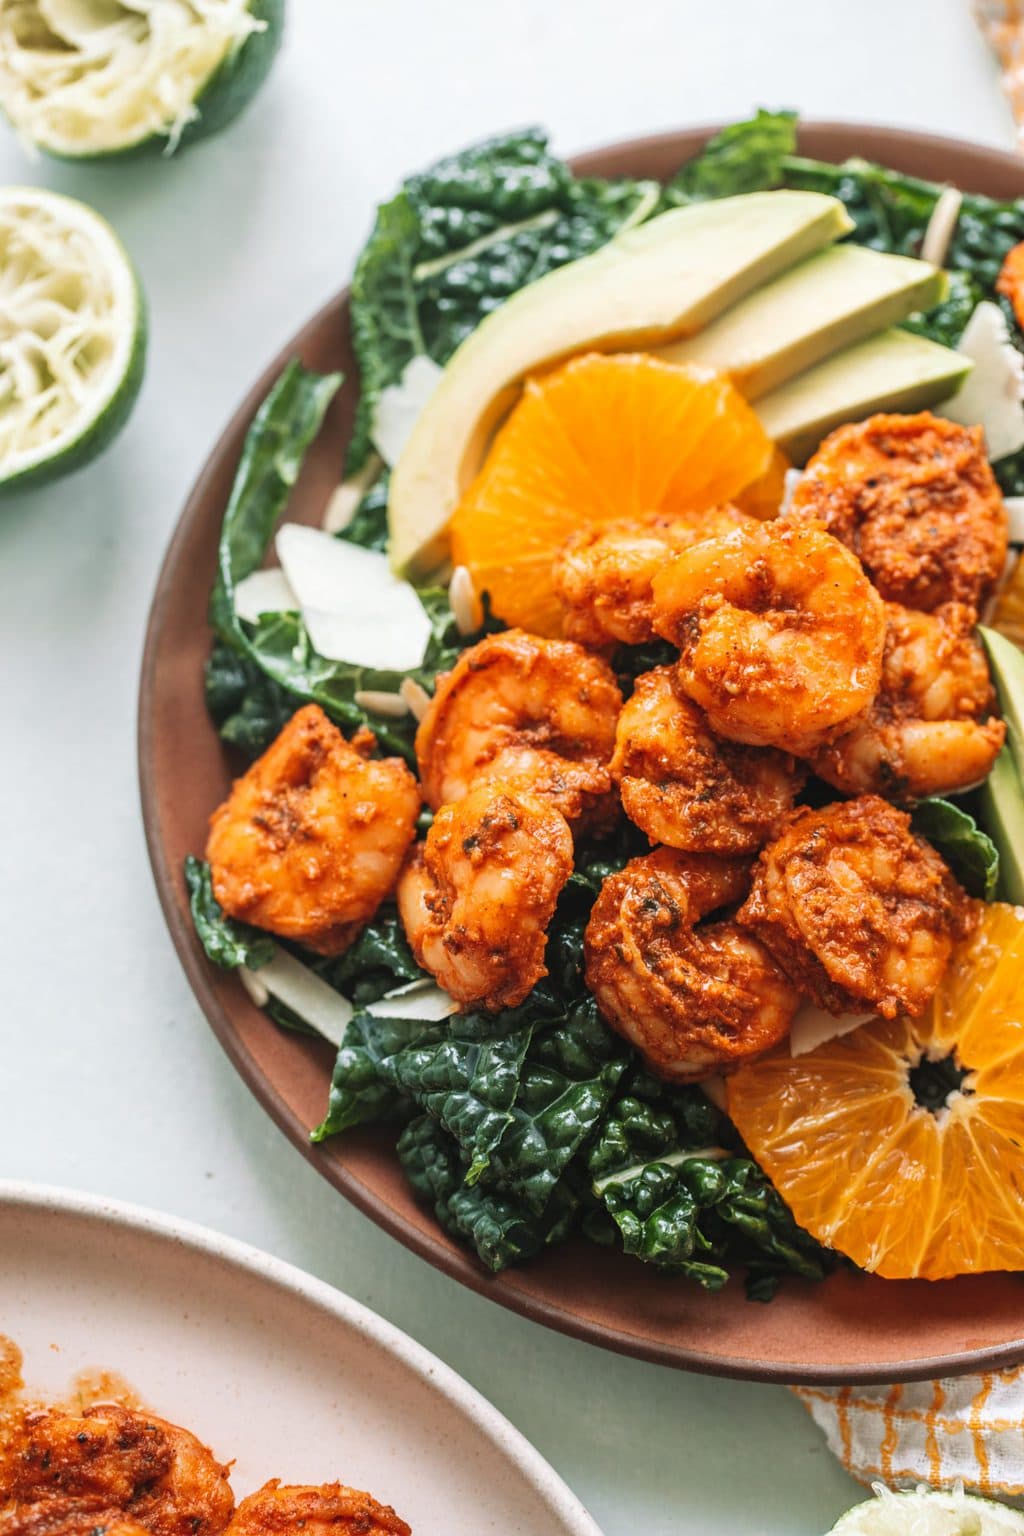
[
  {"x": 745, "y": 157},
  {"x": 458, "y": 240},
  {"x": 227, "y": 943},
  {"x": 969, "y": 851}
]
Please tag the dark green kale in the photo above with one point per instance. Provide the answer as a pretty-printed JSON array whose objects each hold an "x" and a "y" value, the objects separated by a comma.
[
  {"x": 369, "y": 525},
  {"x": 945, "y": 323},
  {"x": 378, "y": 961},
  {"x": 227, "y": 943},
  {"x": 745, "y": 157},
  {"x": 245, "y": 705},
  {"x": 501, "y": 1229},
  {"x": 970, "y": 853},
  {"x": 891, "y": 212},
  {"x": 360, "y": 1093},
  {"x": 458, "y": 240}
]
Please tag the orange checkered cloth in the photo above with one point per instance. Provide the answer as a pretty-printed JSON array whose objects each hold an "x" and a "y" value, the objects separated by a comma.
[
  {"x": 1002, "y": 22},
  {"x": 967, "y": 1429}
]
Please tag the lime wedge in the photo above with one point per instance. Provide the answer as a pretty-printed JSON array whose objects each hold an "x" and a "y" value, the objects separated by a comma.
[
  {"x": 87, "y": 79},
  {"x": 72, "y": 335},
  {"x": 929, "y": 1514}
]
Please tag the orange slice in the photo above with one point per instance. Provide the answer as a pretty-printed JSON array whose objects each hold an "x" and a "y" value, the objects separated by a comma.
[
  {"x": 847, "y": 1135},
  {"x": 600, "y": 438}
]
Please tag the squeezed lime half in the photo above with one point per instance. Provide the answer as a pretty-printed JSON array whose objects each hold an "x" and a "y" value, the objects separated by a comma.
[
  {"x": 90, "y": 79},
  {"x": 929, "y": 1514},
  {"x": 72, "y": 335}
]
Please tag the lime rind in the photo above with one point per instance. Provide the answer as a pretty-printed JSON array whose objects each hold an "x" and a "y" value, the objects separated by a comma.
[
  {"x": 97, "y": 79},
  {"x": 927, "y": 1513},
  {"x": 73, "y": 348}
]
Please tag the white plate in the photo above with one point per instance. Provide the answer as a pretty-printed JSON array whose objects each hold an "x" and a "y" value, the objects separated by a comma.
[{"x": 267, "y": 1365}]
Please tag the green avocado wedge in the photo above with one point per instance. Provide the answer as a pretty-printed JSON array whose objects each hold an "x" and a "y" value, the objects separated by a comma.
[
  {"x": 816, "y": 309},
  {"x": 893, "y": 371},
  {"x": 666, "y": 278},
  {"x": 129, "y": 85},
  {"x": 1001, "y": 797}
]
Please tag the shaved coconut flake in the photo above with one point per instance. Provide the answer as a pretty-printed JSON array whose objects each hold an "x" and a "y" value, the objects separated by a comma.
[
  {"x": 1015, "y": 513},
  {"x": 464, "y": 602},
  {"x": 417, "y": 1000},
  {"x": 379, "y": 702},
  {"x": 991, "y": 395},
  {"x": 264, "y": 592},
  {"x": 416, "y": 696},
  {"x": 400, "y": 404},
  {"x": 353, "y": 605},
  {"x": 813, "y": 1027},
  {"x": 673, "y": 1159},
  {"x": 304, "y": 992},
  {"x": 713, "y": 1089},
  {"x": 941, "y": 226},
  {"x": 343, "y": 502},
  {"x": 255, "y": 988}
]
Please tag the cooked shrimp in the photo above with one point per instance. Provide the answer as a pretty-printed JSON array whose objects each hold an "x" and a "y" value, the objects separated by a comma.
[
  {"x": 477, "y": 895},
  {"x": 859, "y": 912},
  {"x": 930, "y": 730},
  {"x": 1010, "y": 282},
  {"x": 330, "y": 1510},
  {"x": 67, "y": 1517},
  {"x": 311, "y": 839},
  {"x": 516, "y": 708},
  {"x": 603, "y": 575},
  {"x": 685, "y": 787},
  {"x": 915, "y": 499},
  {"x": 780, "y": 633},
  {"x": 694, "y": 998},
  {"x": 113, "y": 1458}
]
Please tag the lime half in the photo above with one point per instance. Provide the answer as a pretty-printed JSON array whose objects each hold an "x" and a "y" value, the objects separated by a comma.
[
  {"x": 929, "y": 1514},
  {"x": 88, "y": 79},
  {"x": 72, "y": 335}
]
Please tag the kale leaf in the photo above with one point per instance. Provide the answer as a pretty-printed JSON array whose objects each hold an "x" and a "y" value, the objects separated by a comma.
[
  {"x": 359, "y": 1092},
  {"x": 891, "y": 212},
  {"x": 969, "y": 852},
  {"x": 745, "y": 157},
  {"x": 501, "y": 1229},
  {"x": 459, "y": 239},
  {"x": 272, "y": 456},
  {"x": 378, "y": 961},
  {"x": 247, "y": 707},
  {"x": 227, "y": 942},
  {"x": 369, "y": 525}
]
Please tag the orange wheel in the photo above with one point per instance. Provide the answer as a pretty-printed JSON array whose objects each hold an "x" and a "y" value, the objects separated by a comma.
[
  {"x": 902, "y": 1144},
  {"x": 601, "y": 438}
]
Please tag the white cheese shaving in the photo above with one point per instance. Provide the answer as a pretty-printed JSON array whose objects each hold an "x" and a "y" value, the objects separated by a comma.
[
  {"x": 304, "y": 992},
  {"x": 790, "y": 480},
  {"x": 941, "y": 226},
  {"x": 992, "y": 395},
  {"x": 343, "y": 502},
  {"x": 354, "y": 607},
  {"x": 264, "y": 592},
  {"x": 417, "y": 1000},
  {"x": 400, "y": 404},
  {"x": 813, "y": 1027}
]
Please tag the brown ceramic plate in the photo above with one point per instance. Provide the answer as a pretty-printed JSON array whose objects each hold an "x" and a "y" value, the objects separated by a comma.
[{"x": 852, "y": 1328}]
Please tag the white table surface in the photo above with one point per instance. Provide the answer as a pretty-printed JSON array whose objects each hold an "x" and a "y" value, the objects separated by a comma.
[{"x": 112, "y": 1080}]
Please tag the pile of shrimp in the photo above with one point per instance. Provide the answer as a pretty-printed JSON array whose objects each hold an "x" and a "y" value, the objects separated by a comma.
[
  {"x": 109, "y": 1470},
  {"x": 837, "y": 640}
]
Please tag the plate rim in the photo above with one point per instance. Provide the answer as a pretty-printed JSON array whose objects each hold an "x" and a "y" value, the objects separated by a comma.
[
  {"x": 460, "y": 1266},
  {"x": 51, "y": 1200}
]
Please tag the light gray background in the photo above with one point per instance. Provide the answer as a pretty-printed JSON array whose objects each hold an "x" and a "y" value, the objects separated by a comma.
[{"x": 111, "y": 1080}]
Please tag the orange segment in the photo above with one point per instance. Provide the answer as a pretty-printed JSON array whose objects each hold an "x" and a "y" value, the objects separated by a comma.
[
  {"x": 901, "y": 1188},
  {"x": 600, "y": 438}
]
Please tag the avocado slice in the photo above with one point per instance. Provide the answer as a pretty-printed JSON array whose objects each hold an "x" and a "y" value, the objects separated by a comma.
[
  {"x": 1000, "y": 803},
  {"x": 893, "y": 371},
  {"x": 1001, "y": 797},
  {"x": 814, "y": 310},
  {"x": 660, "y": 280}
]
